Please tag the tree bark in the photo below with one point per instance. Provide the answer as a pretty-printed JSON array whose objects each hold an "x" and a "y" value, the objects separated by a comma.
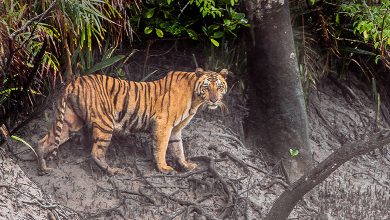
[
  {"x": 285, "y": 203},
  {"x": 277, "y": 116}
]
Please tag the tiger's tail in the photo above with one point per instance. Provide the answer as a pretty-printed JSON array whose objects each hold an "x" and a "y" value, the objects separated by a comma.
[
  {"x": 53, "y": 138},
  {"x": 59, "y": 122}
]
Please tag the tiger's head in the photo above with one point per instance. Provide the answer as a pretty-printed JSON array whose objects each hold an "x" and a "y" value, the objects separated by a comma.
[{"x": 211, "y": 86}]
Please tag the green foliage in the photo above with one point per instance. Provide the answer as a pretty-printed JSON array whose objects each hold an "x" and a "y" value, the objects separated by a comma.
[
  {"x": 83, "y": 20},
  {"x": 312, "y": 2},
  {"x": 105, "y": 63},
  {"x": 30, "y": 41},
  {"x": 371, "y": 23},
  {"x": 333, "y": 37},
  {"x": 17, "y": 58},
  {"x": 84, "y": 25},
  {"x": 195, "y": 19}
]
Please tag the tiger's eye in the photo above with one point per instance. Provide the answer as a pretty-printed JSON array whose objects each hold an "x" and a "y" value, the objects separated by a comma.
[
  {"x": 218, "y": 82},
  {"x": 206, "y": 82}
]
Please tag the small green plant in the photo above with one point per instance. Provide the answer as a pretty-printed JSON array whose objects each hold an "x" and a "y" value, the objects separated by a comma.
[{"x": 294, "y": 152}]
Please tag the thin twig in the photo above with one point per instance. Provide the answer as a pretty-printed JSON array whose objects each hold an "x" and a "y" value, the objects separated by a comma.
[
  {"x": 139, "y": 193},
  {"x": 195, "y": 61},
  {"x": 149, "y": 44},
  {"x": 184, "y": 8}
]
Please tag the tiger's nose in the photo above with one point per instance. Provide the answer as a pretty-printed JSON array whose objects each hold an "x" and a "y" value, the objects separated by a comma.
[{"x": 213, "y": 99}]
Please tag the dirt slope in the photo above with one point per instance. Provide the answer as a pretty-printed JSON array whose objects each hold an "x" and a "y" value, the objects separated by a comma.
[
  {"x": 360, "y": 188},
  {"x": 238, "y": 185}
]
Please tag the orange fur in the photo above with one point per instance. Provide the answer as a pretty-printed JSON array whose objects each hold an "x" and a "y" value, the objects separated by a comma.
[{"x": 105, "y": 105}]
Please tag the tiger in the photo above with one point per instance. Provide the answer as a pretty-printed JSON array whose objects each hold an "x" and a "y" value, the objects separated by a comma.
[{"x": 103, "y": 105}]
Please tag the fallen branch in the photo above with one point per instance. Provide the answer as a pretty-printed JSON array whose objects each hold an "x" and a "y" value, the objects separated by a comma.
[{"x": 285, "y": 203}]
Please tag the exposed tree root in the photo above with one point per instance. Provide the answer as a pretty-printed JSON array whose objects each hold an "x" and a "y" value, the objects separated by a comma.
[
  {"x": 55, "y": 210},
  {"x": 211, "y": 181},
  {"x": 236, "y": 160},
  {"x": 274, "y": 182}
]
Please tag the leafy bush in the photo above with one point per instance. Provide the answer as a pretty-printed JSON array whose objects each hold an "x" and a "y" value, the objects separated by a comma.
[
  {"x": 336, "y": 36},
  {"x": 33, "y": 47},
  {"x": 370, "y": 23},
  {"x": 25, "y": 59},
  {"x": 194, "y": 19}
]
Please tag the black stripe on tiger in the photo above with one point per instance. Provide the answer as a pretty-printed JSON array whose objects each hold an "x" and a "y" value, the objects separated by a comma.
[
  {"x": 101, "y": 140},
  {"x": 122, "y": 113},
  {"x": 174, "y": 141},
  {"x": 169, "y": 94}
]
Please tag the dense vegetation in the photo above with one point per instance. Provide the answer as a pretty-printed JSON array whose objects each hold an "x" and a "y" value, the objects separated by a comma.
[{"x": 43, "y": 42}]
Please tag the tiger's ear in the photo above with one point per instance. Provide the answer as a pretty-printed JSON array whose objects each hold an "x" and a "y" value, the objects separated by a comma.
[
  {"x": 224, "y": 73},
  {"x": 199, "y": 72}
]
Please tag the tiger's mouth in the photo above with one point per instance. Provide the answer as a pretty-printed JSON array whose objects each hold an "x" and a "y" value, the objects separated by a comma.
[
  {"x": 215, "y": 105},
  {"x": 212, "y": 106}
]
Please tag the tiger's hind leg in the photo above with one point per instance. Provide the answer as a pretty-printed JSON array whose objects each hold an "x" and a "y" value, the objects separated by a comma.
[
  {"x": 60, "y": 132},
  {"x": 101, "y": 138}
]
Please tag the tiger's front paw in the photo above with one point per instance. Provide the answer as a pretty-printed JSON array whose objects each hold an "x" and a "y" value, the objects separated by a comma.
[
  {"x": 189, "y": 165},
  {"x": 166, "y": 169}
]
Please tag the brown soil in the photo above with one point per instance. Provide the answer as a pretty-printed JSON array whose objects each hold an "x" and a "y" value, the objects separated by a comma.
[{"x": 241, "y": 184}]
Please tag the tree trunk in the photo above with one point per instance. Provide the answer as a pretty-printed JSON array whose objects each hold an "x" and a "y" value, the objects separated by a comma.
[{"x": 277, "y": 118}]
